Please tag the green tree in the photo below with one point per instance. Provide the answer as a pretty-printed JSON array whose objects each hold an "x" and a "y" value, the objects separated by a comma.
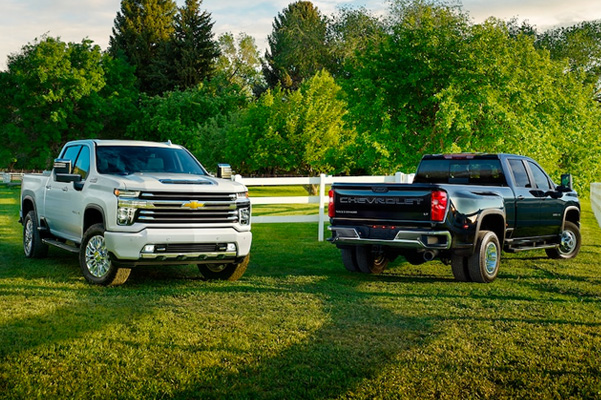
[
  {"x": 350, "y": 33},
  {"x": 141, "y": 35},
  {"x": 439, "y": 83},
  {"x": 192, "y": 118},
  {"x": 297, "y": 46},
  {"x": 239, "y": 62},
  {"x": 580, "y": 44},
  {"x": 192, "y": 50},
  {"x": 50, "y": 94},
  {"x": 293, "y": 132}
]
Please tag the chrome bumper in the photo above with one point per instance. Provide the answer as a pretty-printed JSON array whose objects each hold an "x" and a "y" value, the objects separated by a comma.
[{"x": 409, "y": 239}]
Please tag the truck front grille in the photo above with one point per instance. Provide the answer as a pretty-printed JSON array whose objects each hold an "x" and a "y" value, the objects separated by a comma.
[{"x": 186, "y": 208}]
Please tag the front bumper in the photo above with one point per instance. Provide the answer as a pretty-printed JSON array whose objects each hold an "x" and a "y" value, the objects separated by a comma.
[
  {"x": 128, "y": 246},
  {"x": 408, "y": 239}
]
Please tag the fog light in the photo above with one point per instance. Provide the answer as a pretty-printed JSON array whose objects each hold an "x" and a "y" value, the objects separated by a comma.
[
  {"x": 231, "y": 247},
  {"x": 149, "y": 248}
]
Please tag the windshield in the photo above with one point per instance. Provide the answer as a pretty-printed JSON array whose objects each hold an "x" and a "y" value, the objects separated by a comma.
[
  {"x": 125, "y": 160},
  {"x": 473, "y": 171}
]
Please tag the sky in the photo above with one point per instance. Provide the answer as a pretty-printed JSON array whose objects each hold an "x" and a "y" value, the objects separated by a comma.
[{"x": 22, "y": 21}]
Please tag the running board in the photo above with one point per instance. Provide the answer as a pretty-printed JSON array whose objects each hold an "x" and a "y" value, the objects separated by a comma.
[
  {"x": 526, "y": 248},
  {"x": 61, "y": 245}
]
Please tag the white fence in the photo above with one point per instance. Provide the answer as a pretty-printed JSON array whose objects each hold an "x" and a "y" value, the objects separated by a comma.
[
  {"x": 321, "y": 199},
  {"x": 596, "y": 200},
  {"x": 8, "y": 177}
]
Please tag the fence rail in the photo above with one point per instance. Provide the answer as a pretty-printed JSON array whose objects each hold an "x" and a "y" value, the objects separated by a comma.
[
  {"x": 8, "y": 177},
  {"x": 596, "y": 200},
  {"x": 321, "y": 199}
]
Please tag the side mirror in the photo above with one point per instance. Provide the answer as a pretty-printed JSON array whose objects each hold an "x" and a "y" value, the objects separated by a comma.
[
  {"x": 566, "y": 183},
  {"x": 63, "y": 172},
  {"x": 62, "y": 166},
  {"x": 224, "y": 171}
]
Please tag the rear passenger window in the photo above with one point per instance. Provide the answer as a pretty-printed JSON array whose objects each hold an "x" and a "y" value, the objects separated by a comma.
[{"x": 520, "y": 176}]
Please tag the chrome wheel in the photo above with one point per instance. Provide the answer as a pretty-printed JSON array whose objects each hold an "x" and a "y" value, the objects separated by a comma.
[
  {"x": 491, "y": 257},
  {"x": 483, "y": 265},
  {"x": 568, "y": 242},
  {"x": 28, "y": 237},
  {"x": 97, "y": 257}
]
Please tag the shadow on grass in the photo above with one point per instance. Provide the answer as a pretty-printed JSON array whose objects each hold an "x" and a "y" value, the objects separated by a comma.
[{"x": 356, "y": 342}]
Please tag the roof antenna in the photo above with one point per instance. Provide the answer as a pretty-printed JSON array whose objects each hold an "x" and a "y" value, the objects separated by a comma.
[{"x": 169, "y": 142}]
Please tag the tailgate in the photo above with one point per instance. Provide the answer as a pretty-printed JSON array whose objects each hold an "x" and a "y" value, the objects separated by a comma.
[{"x": 382, "y": 202}]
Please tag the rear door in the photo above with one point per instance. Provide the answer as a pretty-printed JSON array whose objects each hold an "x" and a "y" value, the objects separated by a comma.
[{"x": 526, "y": 203}]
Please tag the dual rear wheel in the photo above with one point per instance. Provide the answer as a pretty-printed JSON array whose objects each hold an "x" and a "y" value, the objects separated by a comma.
[{"x": 364, "y": 259}]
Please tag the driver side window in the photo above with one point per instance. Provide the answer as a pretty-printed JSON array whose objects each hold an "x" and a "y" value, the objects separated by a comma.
[
  {"x": 82, "y": 165},
  {"x": 540, "y": 178}
]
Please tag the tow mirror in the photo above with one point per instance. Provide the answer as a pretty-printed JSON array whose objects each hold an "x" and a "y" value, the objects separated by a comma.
[
  {"x": 63, "y": 172},
  {"x": 62, "y": 166},
  {"x": 566, "y": 183},
  {"x": 224, "y": 171}
]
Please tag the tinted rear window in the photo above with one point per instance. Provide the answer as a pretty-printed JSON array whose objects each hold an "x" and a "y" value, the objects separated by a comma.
[{"x": 476, "y": 172}]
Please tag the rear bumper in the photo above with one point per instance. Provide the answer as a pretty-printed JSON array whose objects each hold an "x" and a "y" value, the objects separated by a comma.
[{"x": 408, "y": 239}]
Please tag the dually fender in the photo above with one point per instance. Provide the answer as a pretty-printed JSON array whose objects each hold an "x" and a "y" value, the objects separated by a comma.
[{"x": 569, "y": 211}]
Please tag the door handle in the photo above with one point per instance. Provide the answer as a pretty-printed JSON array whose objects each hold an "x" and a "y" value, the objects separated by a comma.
[
  {"x": 65, "y": 189},
  {"x": 520, "y": 197}
]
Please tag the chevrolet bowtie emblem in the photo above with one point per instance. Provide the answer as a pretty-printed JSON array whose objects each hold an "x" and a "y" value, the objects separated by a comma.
[{"x": 193, "y": 205}]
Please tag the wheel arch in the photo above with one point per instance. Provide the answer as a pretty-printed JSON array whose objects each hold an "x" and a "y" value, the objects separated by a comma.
[
  {"x": 27, "y": 205},
  {"x": 571, "y": 214},
  {"x": 93, "y": 215},
  {"x": 492, "y": 221}
]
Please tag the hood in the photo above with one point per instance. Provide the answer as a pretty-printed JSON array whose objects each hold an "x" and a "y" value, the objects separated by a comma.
[{"x": 169, "y": 182}]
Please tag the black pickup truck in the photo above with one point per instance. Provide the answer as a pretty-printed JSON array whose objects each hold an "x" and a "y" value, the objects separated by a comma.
[{"x": 461, "y": 208}]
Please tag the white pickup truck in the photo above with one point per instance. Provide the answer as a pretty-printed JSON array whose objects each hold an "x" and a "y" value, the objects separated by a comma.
[{"x": 120, "y": 204}]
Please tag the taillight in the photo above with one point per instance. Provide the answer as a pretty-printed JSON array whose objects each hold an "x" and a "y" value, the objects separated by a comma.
[
  {"x": 331, "y": 204},
  {"x": 439, "y": 205}
]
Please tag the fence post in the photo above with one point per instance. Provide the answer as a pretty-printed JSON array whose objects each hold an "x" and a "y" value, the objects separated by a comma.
[
  {"x": 322, "y": 192},
  {"x": 596, "y": 200}
]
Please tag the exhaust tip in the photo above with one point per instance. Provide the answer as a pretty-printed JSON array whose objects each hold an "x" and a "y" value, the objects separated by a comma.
[{"x": 429, "y": 255}]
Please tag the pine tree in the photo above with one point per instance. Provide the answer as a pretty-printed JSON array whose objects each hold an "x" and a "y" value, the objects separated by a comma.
[
  {"x": 142, "y": 31},
  {"x": 297, "y": 46},
  {"x": 193, "y": 51}
]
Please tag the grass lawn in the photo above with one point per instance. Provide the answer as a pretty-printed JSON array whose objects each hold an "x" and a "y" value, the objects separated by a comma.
[{"x": 298, "y": 326}]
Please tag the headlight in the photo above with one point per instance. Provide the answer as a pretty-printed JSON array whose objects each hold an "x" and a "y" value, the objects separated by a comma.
[
  {"x": 244, "y": 216},
  {"x": 125, "y": 215},
  {"x": 126, "y": 206}
]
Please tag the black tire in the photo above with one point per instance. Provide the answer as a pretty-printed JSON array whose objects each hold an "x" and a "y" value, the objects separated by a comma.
[
  {"x": 349, "y": 259},
  {"x": 370, "y": 262},
  {"x": 95, "y": 261},
  {"x": 570, "y": 243},
  {"x": 33, "y": 247},
  {"x": 483, "y": 265},
  {"x": 460, "y": 269},
  {"x": 226, "y": 272}
]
